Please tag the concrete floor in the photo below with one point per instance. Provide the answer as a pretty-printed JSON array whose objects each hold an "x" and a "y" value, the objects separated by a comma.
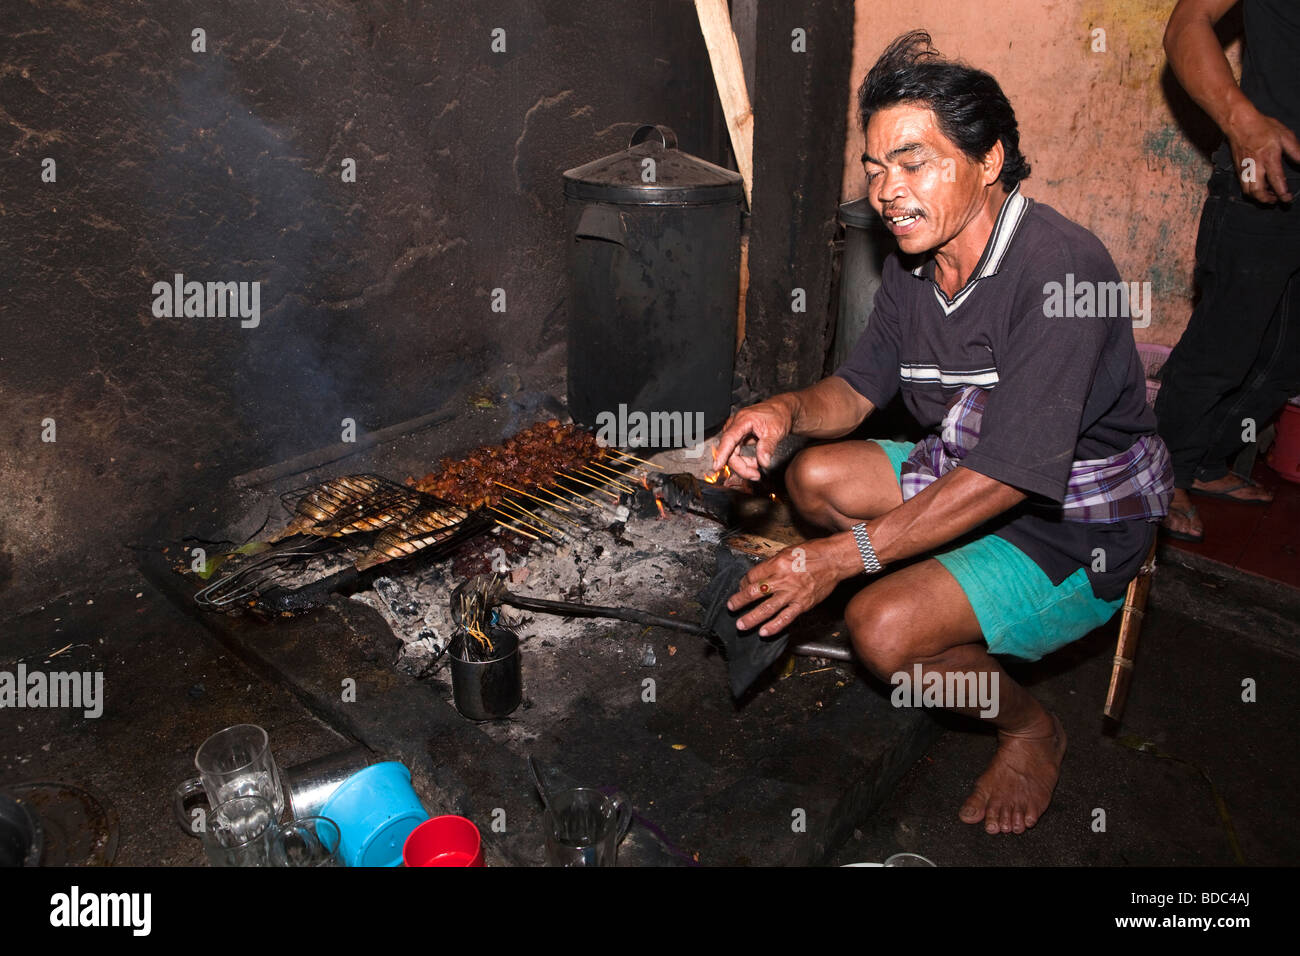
[{"x": 1205, "y": 635}]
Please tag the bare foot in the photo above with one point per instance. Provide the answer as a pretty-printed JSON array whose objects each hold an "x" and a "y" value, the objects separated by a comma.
[
  {"x": 1235, "y": 487},
  {"x": 1017, "y": 787}
]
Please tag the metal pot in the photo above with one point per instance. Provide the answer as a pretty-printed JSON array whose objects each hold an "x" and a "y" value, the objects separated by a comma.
[{"x": 654, "y": 282}]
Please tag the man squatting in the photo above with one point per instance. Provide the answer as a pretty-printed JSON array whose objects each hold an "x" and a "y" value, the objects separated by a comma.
[{"x": 1042, "y": 451}]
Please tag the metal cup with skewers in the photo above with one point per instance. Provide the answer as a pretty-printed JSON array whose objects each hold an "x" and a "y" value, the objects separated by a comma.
[{"x": 486, "y": 667}]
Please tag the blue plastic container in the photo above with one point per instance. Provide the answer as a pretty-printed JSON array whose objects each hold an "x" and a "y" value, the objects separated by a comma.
[{"x": 376, "y": 810}]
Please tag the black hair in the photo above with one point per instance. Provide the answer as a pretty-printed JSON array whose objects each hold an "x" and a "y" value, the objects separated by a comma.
[{"x": 968, "y": 104}]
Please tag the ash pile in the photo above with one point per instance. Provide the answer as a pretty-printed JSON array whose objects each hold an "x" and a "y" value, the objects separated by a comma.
[{"x": 641, "y": 553}]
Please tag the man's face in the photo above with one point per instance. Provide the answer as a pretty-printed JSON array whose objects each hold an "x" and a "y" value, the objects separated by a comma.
[{"x": 922, "y": 185}]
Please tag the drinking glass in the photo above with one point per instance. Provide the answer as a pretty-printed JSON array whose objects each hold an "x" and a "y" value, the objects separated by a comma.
[
  {"x": 238, "y": 832},
  {"x": 235, "y": 762},
  {"x": 311, "y": 841},
  {"x": 584, "y": 827}
]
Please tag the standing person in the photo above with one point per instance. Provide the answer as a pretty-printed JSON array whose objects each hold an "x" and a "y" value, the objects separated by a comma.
[
  {"x": 1239, "y": 359},
  {"x": 1034, "y": 501}
]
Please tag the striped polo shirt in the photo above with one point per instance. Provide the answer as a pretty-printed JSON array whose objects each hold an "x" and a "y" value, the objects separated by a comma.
[{"x": 1042, "y": 324}]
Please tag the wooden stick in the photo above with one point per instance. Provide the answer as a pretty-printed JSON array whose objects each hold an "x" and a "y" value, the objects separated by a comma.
[{"x": 729, "y": 75}]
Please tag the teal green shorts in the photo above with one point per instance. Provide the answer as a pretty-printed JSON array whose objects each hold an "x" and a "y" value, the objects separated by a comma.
[{"x": 1019, "y": 610}]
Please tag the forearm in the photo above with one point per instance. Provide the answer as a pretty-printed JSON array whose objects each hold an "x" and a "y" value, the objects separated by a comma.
[
  {"x": 829, "y": 409},
  {"x": 1199, "y": 62},
  {"x": 954, "y": 504}
]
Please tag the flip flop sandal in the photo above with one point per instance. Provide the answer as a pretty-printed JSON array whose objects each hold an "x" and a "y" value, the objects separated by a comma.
[
  {"x": 1228, "y": 495},
  {"x": 1188, "y": 513}
]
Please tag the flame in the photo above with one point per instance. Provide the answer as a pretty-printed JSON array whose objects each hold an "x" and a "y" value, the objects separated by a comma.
[
  {"x": 645, "y": 482},
  {"x": 660, "y": 505},
  {"x": 714, "y": 477}
]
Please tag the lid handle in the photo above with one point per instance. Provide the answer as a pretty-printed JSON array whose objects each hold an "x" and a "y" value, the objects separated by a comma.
[{"x": 664, "y": 134}]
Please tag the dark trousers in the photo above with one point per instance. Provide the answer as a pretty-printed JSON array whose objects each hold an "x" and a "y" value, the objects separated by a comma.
[{"x": 1239, "y": 358}]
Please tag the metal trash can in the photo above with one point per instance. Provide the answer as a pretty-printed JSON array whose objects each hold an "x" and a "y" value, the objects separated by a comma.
[
  {"x": 866, "y": 244},
  {"x": 654, "y": 278}
]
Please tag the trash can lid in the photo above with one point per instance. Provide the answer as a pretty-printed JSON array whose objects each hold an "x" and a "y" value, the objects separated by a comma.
[
  {"x": 675, "y": 178},
  {"x": 858, "y": 214}
]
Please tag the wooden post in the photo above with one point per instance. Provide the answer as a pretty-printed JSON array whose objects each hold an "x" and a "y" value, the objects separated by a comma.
[{"x": 729, "y": 77}]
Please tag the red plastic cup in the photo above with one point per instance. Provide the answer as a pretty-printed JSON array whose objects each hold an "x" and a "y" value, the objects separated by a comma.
[{"x": 444, "y": 841}]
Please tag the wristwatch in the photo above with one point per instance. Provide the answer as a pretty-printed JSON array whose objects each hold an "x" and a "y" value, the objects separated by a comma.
[{"x": 869, "y": 559}]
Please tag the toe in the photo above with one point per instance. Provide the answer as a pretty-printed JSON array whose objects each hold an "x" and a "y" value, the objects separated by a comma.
[{"x": 973, "y": 810}]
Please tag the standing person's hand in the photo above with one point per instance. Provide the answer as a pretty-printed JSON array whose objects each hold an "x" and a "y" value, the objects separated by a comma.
[
  {"x": 766, "y": 423},
  {"x": 1263, "y": 140}
]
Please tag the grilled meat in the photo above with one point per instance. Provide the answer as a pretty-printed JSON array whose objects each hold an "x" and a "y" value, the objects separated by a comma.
[{"x": 530, "y": 458}]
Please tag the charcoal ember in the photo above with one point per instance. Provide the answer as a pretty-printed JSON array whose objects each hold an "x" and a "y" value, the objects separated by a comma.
[
  {"x": 645, "y": 504},
  {"x": 409, "y": 619},
  {"x": 398, "y": 600},
  {"x": 683, "y": 491}
]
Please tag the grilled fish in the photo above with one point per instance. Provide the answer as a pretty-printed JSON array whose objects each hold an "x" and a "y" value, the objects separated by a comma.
[
  {"x": 338, "y": 505},
  {"x": 414, "y": 533}
]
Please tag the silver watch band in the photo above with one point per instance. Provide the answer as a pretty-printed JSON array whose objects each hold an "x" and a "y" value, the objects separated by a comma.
[{"x": 869, "y": 560}]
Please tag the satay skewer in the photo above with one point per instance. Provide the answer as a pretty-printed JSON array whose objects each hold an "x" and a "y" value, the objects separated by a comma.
[
  {"x": 616, "y": 474},
  {"x": 588, "y": 484},
  {"x": 635, "y": 458},
  {"x": 586, "y": 470},
  {"x": 514, "y": 529},
  {"x": 532, "y": 517},
  {"x": 546, "y": 504},
  {"x": 527, "y": 495},
  {"x": 570, "y": 491}
]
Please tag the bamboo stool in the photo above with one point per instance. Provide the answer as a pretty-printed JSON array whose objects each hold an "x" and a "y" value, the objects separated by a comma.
[{"x": 1130, "y": 627}]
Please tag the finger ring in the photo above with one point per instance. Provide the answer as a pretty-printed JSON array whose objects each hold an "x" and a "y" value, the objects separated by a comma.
[{"x": 764, "y": 587}]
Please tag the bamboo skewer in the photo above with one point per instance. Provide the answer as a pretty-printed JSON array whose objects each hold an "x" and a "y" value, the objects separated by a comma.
[
  {"x": 636, "y": 459},
  {"x": 587, "y": 470},
  {"x": 563, "y": 517},
  {"x": 588, "y": 484},
  {"x": 616, "y": 474},
  {"x": 527, "y": 495},
  {"x": 513, "y": 528},
  {"x": 546, "y": 488},
  {"x": 533, "y": 517}
]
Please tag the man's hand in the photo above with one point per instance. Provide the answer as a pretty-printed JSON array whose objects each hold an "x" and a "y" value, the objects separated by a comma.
[
  {"x": 767, "y": 423},
  {"x": 795, "y": 580},
  {"x": 1262, "y": 140}
]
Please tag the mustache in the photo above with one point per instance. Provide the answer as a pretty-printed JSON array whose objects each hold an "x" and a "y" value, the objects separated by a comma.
[{"x": 891, "y": 213}]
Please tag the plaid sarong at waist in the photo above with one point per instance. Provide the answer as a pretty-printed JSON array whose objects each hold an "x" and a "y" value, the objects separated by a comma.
[{"x": 1136, "y": 483}]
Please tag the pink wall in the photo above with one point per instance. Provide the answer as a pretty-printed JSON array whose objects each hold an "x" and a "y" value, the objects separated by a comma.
[{"x": 1105, "y": 148}]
